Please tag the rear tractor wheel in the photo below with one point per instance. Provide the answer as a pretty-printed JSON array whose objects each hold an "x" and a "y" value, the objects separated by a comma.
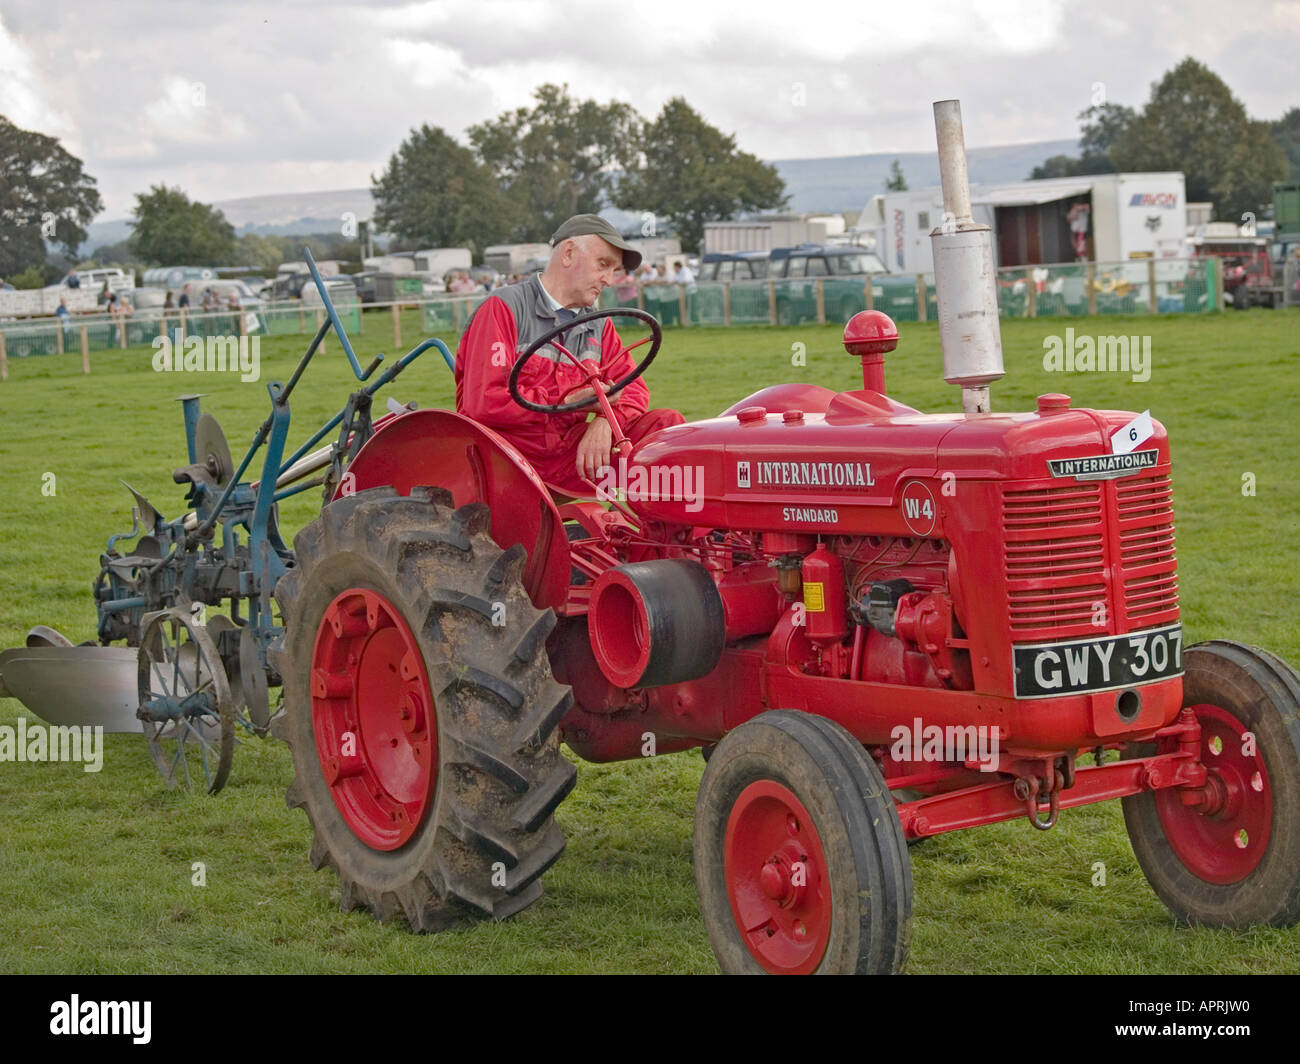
[
  {"x": 1233, "y": 860},
  {"x": 421, "y": 710},
  {"x": 799, "y": 854}
]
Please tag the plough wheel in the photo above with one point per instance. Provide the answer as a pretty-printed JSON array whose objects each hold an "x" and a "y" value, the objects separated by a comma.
[
  {"x": 186, "y": 709},
  {"x": 799, "y": 855},
  {"x": 421, "y": 709},
  {"x": 1237, "y": 862}
]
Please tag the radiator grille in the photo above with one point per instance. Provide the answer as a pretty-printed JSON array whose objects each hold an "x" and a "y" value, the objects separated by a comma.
[
  {"x": 1055, "y": 556},
  {"x": 1146, "y": 520}
]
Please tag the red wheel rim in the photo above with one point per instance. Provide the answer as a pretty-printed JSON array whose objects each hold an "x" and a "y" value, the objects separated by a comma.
[
  {"x": 374, "y": 719},
  {"x": 1226, "y": 844},
  {"x": 776, "y": 879}
]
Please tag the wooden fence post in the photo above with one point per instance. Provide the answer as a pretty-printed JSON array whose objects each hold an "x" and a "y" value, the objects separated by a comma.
[
  {"x": 920, "y": 297},
  {"x": 1031, "y": 300},
  {"x": 1152, "y": 302},
  {"x": 320, "y": 320},
  {"x": 821, "y": 302},
  {"x": 397, "y": 325},
  {"x": 869, "y": 293},
  {"x": 58, "y": 339},
  {"x": 726, "y": 303},
  {"x": 681, "y": 305},
  {"x": 4, "y": 359},
  {"x": 1091, "y": 279},
  {"x": 771, "y": 302}
]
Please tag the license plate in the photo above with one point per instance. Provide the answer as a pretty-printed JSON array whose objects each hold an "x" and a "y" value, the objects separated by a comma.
[{"x": 1106, "y": 663}]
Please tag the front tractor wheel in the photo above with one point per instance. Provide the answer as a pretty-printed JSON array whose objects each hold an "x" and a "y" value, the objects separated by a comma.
[
  {"x": 799, "y": 855},
  {"x": 1232, "y": 860},
  {"x": 421, "y": 710}
]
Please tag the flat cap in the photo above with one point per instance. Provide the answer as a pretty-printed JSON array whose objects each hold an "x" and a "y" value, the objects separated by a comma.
[{"x": 595, "y": 225}]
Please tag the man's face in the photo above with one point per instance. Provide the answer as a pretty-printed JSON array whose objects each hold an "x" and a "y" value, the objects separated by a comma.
[{"x": 595, "y": 261}]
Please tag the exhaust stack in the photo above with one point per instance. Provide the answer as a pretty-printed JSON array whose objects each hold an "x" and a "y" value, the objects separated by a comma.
[{"x": 965, "y": 279}]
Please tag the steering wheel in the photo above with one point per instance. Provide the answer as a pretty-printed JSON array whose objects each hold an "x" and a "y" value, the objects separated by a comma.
[{"x": 654, "y": 339}]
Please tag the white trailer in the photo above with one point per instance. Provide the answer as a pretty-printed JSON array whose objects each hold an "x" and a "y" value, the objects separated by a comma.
[
  {"x": 515, "y": 258},
  {"x": 776, "y": 231},
  {"x": 436, "y": 263},
  {"x": 1130, "y": 216}
]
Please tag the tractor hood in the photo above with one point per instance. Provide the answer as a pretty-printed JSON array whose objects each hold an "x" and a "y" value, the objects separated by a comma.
[{"x": 799, "y": 457}]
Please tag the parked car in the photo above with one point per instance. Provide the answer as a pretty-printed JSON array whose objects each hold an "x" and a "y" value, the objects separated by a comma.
[
  {"x": 733, "y": 266},
  {"x": 341, "y": 289},
  {"x": 364, "y": 282},
  {"x": 843, "y": 266}
]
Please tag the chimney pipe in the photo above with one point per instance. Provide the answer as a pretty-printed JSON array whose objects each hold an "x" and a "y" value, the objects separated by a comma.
[{"x": 965, "y": 278}]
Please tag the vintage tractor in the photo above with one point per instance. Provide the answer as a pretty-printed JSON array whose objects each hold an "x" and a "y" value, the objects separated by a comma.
[
  {"x": 786, "y": 585},
  {"x": 880, "y": 625}
]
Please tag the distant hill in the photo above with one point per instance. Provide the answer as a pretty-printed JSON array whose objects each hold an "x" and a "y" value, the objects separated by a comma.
[
  {"x": 834, "y": 184},
  {"x": 848, "y": 182}
]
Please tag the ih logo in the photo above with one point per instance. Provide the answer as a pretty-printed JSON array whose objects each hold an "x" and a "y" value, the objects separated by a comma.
[{"x": 742, "y": 474}]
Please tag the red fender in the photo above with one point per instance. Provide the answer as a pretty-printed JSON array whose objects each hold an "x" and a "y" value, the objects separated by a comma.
[{"x": 439, "y": 448}]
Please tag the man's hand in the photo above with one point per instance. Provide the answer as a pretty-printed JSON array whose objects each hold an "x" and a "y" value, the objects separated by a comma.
[
  {"x": 579, "y": 394},
  {"x": 593, "y": 449}
]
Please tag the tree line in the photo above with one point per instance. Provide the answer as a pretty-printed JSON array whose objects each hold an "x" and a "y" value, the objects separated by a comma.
[{"x": 1192, "y": 123}]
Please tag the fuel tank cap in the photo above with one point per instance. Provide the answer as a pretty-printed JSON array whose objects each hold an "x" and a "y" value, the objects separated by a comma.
[
  {"x": 749, "y": 414},
  {"x": 1053, "y": 403}
]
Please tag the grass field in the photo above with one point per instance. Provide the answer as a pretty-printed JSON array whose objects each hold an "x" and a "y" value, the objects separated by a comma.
[{"x": 95, "y": 869}]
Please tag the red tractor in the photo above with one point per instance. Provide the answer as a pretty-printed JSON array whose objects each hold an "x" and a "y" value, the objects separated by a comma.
[{"x": 880, "y": 625}]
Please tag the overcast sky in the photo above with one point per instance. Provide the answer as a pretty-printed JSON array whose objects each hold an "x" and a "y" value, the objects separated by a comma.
[{"x": 237, "y": 99}]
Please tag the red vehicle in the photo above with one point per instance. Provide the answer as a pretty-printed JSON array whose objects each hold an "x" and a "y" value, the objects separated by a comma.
[
  {"x": 881, "y": 625},
  {"x": 1248, "y": 275}
]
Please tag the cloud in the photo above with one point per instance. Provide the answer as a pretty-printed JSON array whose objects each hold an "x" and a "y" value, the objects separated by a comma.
[
  {"x": 22, "y": 98},
  {"x": 184, "y": 113}
]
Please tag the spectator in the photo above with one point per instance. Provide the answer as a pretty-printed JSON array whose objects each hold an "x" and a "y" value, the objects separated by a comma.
[
  {"x": 72, "y": 280},
  {"x": 650, "y": 274},
  {"x": 167, "y": 303},
  {"x": 105, "y": 294},
  {"x": 184, "y": 301},
  {"x": 62, "y": 313},
  {"x": 681, "y": 274},
  {"x": 625, "y": 287},
  {"x": 206, "y": 302},
  {"x": 462, "y": 285}
]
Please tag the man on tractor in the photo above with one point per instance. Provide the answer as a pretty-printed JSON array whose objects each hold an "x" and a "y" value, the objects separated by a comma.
[{"x": 567, "y": 451}]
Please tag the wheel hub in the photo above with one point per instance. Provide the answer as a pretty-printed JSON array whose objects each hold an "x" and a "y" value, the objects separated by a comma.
[
  {"x": 1222, "y": 832},
  {"x": 374, "y": 718},
  {"x": 776, "y": 882}
]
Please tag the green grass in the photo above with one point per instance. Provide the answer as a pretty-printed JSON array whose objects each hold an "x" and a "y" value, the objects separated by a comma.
[{"x": 95, "y": 869}]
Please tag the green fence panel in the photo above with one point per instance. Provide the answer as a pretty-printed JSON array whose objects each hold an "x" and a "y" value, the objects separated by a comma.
[
  {"x": 24, "y": 341},
  {"x": 437, "y": 316},
  {"x": 749, "y": 303},
  {"x": 896, "y": 296},
  {"x": 704, "y": 304}
]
